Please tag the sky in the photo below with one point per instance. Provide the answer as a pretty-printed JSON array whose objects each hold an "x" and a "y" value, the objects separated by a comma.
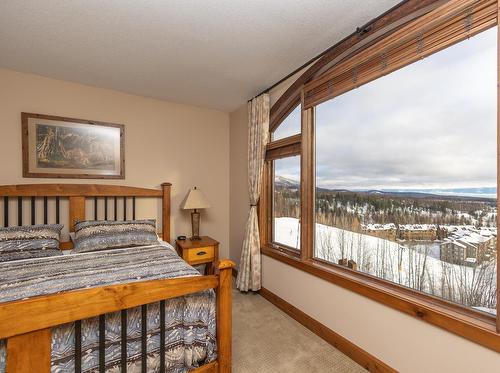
[
  {"x": 290, "y": 125},
  {"x": 430, "y": 125}
]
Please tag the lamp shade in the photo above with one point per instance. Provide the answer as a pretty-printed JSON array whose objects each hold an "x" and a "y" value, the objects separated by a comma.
[{"x": 195, "y": 199}]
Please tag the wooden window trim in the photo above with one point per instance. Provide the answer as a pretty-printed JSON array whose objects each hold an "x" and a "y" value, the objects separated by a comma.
[
  {"x": 268, "y": 187},
  {"x": 284, "y": 249},
  {"x": 283, "y": 148},
  {"x": 287, "y": 141},
  {"x": 471, "y": 324},
  {"x": 424, "y": 36}
]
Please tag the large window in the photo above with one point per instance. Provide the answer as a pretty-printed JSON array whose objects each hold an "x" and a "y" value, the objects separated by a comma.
[
  {"x": 406, "y": 176},
  {"x": 389, "y": 189}
]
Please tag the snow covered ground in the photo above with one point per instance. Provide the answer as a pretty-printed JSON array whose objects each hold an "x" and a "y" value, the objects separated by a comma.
[{"x": 416, "y": 267}]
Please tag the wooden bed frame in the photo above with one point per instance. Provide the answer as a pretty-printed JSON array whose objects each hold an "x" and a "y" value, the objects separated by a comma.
[{"x": 26, "y": 324}]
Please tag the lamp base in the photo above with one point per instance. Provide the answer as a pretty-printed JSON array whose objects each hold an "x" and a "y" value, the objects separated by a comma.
[{"x": 195, "y": 226}]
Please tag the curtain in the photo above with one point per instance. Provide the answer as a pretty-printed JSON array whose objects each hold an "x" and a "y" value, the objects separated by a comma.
[{"x": 249, "y": 272}]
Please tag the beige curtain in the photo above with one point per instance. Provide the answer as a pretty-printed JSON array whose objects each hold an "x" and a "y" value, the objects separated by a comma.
[{"x": 249, "y": 273}]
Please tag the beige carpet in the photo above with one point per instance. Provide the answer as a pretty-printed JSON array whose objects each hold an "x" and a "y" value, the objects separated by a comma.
[{"x": 267, "y": 340}]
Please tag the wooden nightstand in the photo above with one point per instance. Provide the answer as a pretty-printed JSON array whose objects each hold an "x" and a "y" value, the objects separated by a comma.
[{"x": 204, "y": 251}]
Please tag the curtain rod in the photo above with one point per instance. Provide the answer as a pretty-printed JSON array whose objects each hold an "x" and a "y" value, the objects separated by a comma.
[{"x": 359, "y": 31}]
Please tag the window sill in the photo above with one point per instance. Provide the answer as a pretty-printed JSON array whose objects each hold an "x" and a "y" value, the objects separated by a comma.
[
  {"x": 474, "y": 326},
  {"x": 285, "y": 250}
]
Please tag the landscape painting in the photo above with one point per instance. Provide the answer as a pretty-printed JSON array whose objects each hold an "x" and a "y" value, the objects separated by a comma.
[{"x": 66, "y": 147}]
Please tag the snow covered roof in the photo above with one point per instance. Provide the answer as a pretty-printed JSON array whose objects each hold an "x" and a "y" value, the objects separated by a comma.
[
  {"x": 378, "y": 227},
  {"x": 488, "y": 231},
  {"x": 452, "y": 228},
  {"x": 476, "y": 238},
  {"x": 464, "y": 236},
  {"x": 417, "y": 227}
]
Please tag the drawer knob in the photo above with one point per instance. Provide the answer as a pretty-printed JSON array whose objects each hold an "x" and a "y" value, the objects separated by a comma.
[{"x": 201, "y": 253}]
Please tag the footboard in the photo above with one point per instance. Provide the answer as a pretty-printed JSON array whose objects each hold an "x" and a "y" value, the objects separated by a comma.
[{"x": 26, "y": 324}]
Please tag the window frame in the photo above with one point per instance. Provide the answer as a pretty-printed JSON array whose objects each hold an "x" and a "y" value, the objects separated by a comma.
[
  {"x": 278, "y": 245},
  {"x": 282, "y": 148},
  {"x": 469, "y": 323}
]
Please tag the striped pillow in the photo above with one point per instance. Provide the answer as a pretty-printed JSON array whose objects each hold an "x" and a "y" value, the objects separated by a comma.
[
  {"x": 94, "y": 235},
  {"x": 31, "y": 241}
]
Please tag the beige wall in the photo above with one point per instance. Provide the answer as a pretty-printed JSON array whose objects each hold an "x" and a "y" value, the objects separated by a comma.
[
  {"x": 239, "y": 199},
  {"x": 403, "y": 342},
  {"x": 184, "y": 145}
]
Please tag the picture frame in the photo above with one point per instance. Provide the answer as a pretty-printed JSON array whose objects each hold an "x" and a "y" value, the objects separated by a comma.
[{"x": 61, "y": 147}]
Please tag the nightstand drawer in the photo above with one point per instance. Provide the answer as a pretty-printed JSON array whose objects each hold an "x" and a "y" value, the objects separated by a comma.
[
  {"x": 201, "y": 251},
  {"x": 199, "y": 255}
]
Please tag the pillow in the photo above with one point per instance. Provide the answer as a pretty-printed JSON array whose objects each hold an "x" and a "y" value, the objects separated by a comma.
[
  {"x": 93, "y": 235},
  {"x": 32, "y": 241}
]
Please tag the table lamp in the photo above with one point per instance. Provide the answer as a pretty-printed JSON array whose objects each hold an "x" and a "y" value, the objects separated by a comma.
[{"x": 195, "y": 200}]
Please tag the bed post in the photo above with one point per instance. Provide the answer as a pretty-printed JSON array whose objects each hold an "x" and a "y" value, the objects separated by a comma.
[
  {"x": 224, "y": 315},
  {"x": 76, "y": 211},
  {"x": 29, "y": 352},
  {"x": 166, "y": 212}
]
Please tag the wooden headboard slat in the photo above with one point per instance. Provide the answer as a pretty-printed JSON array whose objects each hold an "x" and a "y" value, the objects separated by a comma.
[
  {"x": 77, "y": 194},
  {"x": 82, "y": 190}
]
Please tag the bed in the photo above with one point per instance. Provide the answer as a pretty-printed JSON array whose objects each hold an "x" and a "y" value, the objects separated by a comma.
[{"x": 133, "y": 309}]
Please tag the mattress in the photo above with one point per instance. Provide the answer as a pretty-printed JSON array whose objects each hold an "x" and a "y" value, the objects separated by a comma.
[{"x": 190, "y": 327}]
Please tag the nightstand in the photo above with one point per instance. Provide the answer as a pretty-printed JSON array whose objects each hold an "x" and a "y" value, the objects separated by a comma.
[{"x": 204, "y": 251}]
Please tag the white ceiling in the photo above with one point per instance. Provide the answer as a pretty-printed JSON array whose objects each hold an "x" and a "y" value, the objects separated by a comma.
[{"x": 209, "y": 53}]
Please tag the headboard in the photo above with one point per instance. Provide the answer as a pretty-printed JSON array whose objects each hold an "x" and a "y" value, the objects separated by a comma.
[{"x": 77, "y": 194}]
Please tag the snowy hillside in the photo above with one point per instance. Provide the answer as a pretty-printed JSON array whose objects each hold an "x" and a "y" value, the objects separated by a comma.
[{"x": 414, "y": 267}]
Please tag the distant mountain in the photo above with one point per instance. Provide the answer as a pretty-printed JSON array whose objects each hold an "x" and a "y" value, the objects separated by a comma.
[
  {"x": 413, "y": 194},
  {"x": 283, "y": 182},
  {"x": 402, "y": 193},
  {"x": 486, "y": 194},
  {"x": 382, "y": 193}
]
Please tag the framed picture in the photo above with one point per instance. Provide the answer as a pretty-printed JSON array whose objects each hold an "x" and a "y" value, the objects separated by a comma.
[{"x": 57, "y": 147}]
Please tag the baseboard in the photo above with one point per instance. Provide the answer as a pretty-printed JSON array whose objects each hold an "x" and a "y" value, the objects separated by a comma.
[{"x": 356, "y": 353}]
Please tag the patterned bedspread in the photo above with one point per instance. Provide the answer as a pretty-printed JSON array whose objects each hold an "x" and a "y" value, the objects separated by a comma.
[{"x": 190, "y": 320}]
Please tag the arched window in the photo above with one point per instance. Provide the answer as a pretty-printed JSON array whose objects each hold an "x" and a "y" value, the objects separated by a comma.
[
  {"x": 388, "y": 187},
  {"x": 289, "y": 126}
]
